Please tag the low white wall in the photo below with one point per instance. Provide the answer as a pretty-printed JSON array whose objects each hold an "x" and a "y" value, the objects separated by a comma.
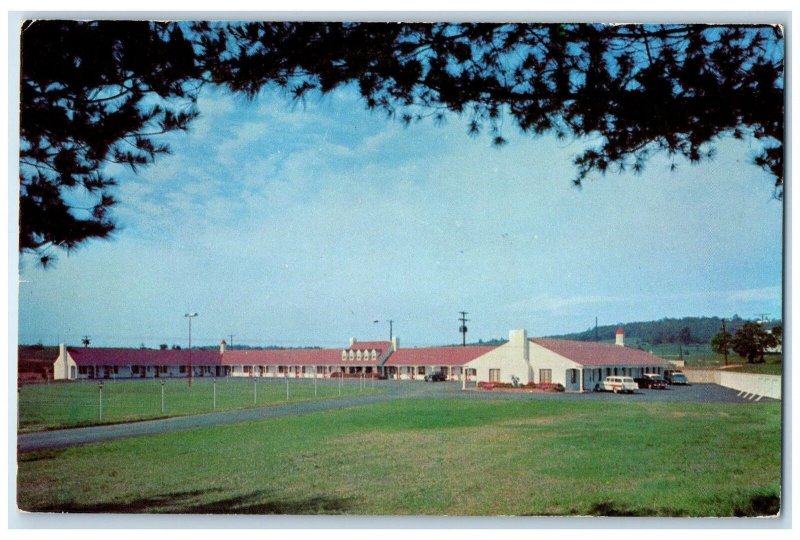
[
  {"x": 761, "y": 385},
  {"x": 701, "y": 376},
  {"x": 753, "y": 383}
]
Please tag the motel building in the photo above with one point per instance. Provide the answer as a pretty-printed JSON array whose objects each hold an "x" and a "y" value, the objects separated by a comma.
[{"x": 577, "y": 365}]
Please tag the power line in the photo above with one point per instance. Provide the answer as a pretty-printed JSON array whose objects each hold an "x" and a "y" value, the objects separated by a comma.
[{"x": 463, "y": 328}]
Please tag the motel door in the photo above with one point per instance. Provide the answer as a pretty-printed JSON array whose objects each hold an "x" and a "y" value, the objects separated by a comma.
[{"x": 573, "y": 382}]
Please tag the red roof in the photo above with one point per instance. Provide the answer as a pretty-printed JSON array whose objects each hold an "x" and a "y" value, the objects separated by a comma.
[
  {"x": 620, "y": 331},
  {"x": 98, "y": 356},
  {"x": 588, "y": 353},
  {"x": 437, "y": 356},
  {"x": 285, "y": 357},
  {"x": 369, "y": 345}
]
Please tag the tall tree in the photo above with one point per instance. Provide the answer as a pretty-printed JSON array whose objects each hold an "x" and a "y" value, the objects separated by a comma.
[
  {"x": 102, "y": 91},
  {"x": 721, "y": 342},
  {"x": 93, "y": 93},
  {"x": 777, "y": 332},
  {"x": 751, "y": 341}
]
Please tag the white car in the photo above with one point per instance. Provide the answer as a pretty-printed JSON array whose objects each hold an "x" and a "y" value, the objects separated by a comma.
[{"x": 617, "y": 384}]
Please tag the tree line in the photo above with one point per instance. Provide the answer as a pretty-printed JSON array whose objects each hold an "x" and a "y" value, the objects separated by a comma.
[{"x": 684, "y": 330}]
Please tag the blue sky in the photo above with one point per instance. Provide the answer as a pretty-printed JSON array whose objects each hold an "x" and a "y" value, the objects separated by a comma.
[{"x": 301, "y": 225}]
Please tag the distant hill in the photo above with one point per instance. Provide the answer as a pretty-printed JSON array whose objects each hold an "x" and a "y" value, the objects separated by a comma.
[{"x": 692, "y": 329}]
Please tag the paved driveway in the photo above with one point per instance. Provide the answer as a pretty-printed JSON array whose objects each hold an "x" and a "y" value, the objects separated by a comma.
[{"x": 27, "y": 442}]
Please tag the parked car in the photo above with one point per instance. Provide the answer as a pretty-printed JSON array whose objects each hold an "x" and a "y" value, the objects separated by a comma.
[
  {"x": 653, "y": 381},
  {"x": 675, "y": 377},
  {"x": 616, "y": 384},
  {"x": 436, "y": 376}
]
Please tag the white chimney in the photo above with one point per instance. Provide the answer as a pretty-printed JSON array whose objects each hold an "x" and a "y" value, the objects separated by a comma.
[
  {"x": 519, "y": 339},
  {"x": 222, "y": 345},
  {"x": 62, "y": 355},
  {"x": 620, "y": 337},
  {"x": 352, "y": 341},
  {"x": 395, "y": 343}
]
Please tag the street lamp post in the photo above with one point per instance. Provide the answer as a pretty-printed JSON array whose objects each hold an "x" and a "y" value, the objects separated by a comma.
[
  {"x": 190, "y": 316},
  {"x": 391, "y": 322}
]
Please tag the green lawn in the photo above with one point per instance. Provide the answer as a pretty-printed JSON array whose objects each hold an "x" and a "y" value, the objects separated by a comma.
[
  {"x": 769, "y": 367},
  {"x": 49, "y": 406},
  {"x": 435, "y": 457}
]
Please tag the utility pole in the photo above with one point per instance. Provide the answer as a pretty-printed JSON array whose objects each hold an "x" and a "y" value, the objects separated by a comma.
[
  {"x": 463, "y": 328},
  {"x": 231, "y": 342},
  {"x": 725, "y": 342},
  {"x": 390, "y": 321},
  {"x": 190, "y": 316},
  {"x": 596, "y": 338}
]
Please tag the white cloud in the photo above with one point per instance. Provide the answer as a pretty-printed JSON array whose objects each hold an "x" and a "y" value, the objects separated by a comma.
[{"x": 754, "y": 295}]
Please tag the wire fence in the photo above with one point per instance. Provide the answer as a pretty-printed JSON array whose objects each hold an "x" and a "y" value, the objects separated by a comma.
[{"x": 87, "y": 402}]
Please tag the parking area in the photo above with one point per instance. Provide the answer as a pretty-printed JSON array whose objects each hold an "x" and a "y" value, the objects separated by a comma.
[{"x": 694, "y": 393}]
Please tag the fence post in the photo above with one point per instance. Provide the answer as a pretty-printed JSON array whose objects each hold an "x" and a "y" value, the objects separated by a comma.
[
  {"x": 163, "y": 403},
  {"x": 100, "y": 386},
  {"x": 286, "y": 376},
  {"x": 214, "y": 398},
  {"x": 255, "y": 391},
  {"x": 315, "y": 381}
]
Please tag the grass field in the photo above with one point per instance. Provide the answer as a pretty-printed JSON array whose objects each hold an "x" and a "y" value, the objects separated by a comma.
[
  {"x": 700, "y": 356},
  {"x": 49, "y": 406},
  {"x": 435, "y": 457}
]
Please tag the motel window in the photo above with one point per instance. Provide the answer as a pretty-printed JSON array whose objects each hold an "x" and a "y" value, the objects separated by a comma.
[
  {"x": 320, "y": 369},
  {"x": 281, "y": 369},
  {"x": 116, "y": 370},
  {"x": 421, "y": 370},
  {"x": 574, "y": 376},
  {"x": 545, "y": 376},
  {"x": 82, "y": 370},
  {"x": 615, "y": 371},
  {"x": 181, "y": 369},
  {"x": 134, "y": 369},
  {"x": 494, "y": 375}
]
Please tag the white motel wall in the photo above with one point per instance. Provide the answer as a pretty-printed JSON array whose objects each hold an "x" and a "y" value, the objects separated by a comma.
[
  {"x": 752, "y": 383},
  {"x": 506, "y": 361},
  {"x": 546, "y": 362}
]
